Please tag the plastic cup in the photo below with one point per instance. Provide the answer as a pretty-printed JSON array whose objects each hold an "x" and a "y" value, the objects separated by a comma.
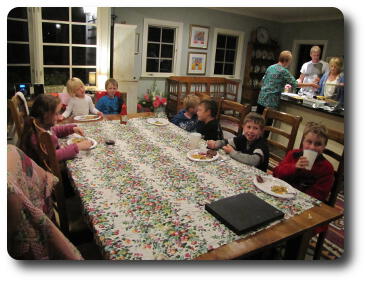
[
  {"x": 311, "y": 157},
  {"x": 194, "y": 140}
]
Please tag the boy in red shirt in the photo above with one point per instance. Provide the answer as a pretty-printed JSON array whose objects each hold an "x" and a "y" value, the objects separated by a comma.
[{"x": 316, "y": 182}]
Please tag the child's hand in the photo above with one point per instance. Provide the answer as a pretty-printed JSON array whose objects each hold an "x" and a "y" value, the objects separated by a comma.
[
  {"x": 302, "y": 162},
  {"x": 79, "y": 131},
  {"x": 210, "y": 144},
  {"x": 59, "y": 118},
  {"x": 100, "y": 114},
  {"x": 84, "y": 144},
  {"x": 228, "y": 148}
]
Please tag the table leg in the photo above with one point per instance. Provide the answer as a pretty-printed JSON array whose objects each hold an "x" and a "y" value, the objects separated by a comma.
[{"x": 296, "y": 248}]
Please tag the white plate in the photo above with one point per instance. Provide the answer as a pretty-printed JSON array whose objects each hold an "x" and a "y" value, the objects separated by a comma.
[
  {"x": 197, "y": 151},
  {"x": 158, "y": 121},
  {"x": 70, "y": 141},
  {"x": 90, "y": 117},
  {"x": 270, "y": 181}
]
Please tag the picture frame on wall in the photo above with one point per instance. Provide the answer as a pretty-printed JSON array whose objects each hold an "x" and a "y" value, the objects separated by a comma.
[
  {"x": 196, "y": 63},
  {"x": 199, "y": 37}
]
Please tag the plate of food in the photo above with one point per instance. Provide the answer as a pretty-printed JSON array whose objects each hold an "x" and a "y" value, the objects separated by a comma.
[
  {"x": 90, "y": 117},
  {"x": 158, "y": 121},
  {"x": 77, "y": 139},
  {"x": 275, "y": 187},
  {"x": 202, "y": 156}
]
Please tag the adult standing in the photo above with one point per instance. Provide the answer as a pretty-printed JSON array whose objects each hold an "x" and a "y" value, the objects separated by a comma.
[
  {"x": 312, "y": 71},
  {"x": 274, "y": 80}
]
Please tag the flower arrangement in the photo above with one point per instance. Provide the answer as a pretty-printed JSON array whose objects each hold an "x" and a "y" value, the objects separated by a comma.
[{"x": 152, "y": 100}]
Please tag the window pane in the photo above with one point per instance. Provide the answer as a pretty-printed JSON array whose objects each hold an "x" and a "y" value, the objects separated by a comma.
[
  {"x": 219, "y": 55},
  {"x": 19, "y": 75},
  {"x": 61, "y": 14},
  {"x": 168, "y": 35},
  {"x": 55, "y": 33},
  {"x": 18, "y": 13},
  {"x": 55, "y": 55},
  {"x": 228, "y": 69},
  {"x": 230, "y": 56},
  {"x": 221, "y": 41},
  {"x": 56, "y": 76},
  {"x": 84, "y": 56},
  {"x": 218, "y": 69},
  {"x": 154, "y": 34},
  {"x": 82, "y": 74},
  {"x": 166, "y": 66},
  {"x": 231, "y": 42},
  {"x": 167, "y": 51},
  {"x": 83, "y": 34},
  {"x": 153, "y": 50},
  {"x": 77, "y": 15},
  {"x": 17, "y": 31},
  {"x": 152, "y": 65},
  {"x": 18, "y": 54}
]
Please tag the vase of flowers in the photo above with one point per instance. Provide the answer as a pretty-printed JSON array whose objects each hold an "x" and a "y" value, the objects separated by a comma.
[{"x": 152, "y": 101}]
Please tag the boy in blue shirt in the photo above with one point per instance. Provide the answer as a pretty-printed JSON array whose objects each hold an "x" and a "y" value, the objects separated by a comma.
[
  {"x": 187, "y": 118},
  {"x": 110, "y": 103}
]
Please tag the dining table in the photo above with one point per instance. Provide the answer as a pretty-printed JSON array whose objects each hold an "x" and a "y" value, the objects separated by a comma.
[{"x": 144, "y": 199}]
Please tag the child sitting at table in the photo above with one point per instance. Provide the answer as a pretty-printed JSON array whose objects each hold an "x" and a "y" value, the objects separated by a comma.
[
  {"x": 316, "y": 182},
  {"x": 110, "y": 103},
  {"x": 44, "y": 111},
  {"x": 208, "y": 126},
  {"x": 187, "y": 118},
  {"x": 79, "y": 103},
  {"x": 249, "y": 147}
]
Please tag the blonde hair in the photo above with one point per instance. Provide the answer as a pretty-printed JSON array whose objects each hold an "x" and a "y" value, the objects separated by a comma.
[
  {"x": 72, "y": 85},
  {"x": 315, "y": 49},
  {"x": 191, "y": 101},
  {"x": 316, "y": 128},
  {"x": 256, "y": 118},
  {"x": 112, "y": 82},
  {"x": 337, "y": 62},
  {"x": 285, "y": 56}
]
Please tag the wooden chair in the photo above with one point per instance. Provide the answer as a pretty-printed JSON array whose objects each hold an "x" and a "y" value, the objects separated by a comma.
[
  {"x": 202, "y": 95},
  {"x": 239, "y": 112},
  {"x": 277, "y": 149},
  {"x": 18, "y": 113}
]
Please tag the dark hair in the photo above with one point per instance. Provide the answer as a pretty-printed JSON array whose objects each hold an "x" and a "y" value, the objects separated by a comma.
[{"x": 210, "y": 105}]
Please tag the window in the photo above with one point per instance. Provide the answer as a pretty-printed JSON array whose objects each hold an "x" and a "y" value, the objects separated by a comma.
[
  {"x": 161, "y": 44},
  {"x": 227, "y": 53}
]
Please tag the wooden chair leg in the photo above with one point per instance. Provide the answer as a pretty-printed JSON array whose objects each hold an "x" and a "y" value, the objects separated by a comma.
[{"x": 319, "y": 245}]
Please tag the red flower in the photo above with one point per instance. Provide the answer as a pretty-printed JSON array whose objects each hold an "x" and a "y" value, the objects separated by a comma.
[
  {"x": 163, "y": 100},
  {"x": 140, "y": 107},
  {"x": 156, "y": 103},
  {"x": 146, "y": 97}
]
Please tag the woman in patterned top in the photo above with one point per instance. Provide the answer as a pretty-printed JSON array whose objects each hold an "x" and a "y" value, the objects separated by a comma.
[{"x": 274, "y": 80}]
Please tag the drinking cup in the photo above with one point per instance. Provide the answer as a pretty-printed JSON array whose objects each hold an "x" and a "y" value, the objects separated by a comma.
[
  {"x": 194, "y": 140},
  {"x": 311, "y": 157}
]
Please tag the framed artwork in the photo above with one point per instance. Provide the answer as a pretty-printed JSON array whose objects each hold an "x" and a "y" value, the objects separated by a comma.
[
  {"x": 196, "y": 63},
  {"x": 199, "y": 37}
]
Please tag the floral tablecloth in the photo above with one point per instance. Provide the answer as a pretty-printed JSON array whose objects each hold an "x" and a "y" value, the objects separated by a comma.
[{"x": 145, "y": 199}]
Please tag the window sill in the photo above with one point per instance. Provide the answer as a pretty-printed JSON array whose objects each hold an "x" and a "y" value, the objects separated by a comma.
[{"x": 157, "y": 75}]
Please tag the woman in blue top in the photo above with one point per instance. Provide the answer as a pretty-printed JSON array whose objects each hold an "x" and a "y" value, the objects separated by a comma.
[
  {"x": 110, "y": 103},
  {"x": 274, "y": 80}
]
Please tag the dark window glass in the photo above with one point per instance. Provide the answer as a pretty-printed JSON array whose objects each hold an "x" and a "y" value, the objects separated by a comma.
[
  {"x": 84, "y": 56},
  {"x": 154, "y": 34},
  {"x": 231, "y": 42},
  {"x": 230, "y": 56},
  {"x": 221, "y": 41},
  {"x": 18, "y": 13},
  {"x": 21, "y": 74},
  {"x": 218, "y": 68},
  {"x": 82, "y": 74},
  {"x": 18, "y": 53},
  {"x": 61, "y": 14},
  {"x": 83, "y": 34},
  {"x": 168, "y": 35},
  {"x": 152, "y": 65},
  {"x": 55, "y": 33},
  {"x": 55, "y": 55},
  {"x": 166, "y": 66},
  {"x": 219, "y": 55},
  {"x": 167, "y": 51},
  {"x": 153, "y": 50},
  {"x": 77, "y": 15},
  {"x": 56, "y": 76},
  {"x": 17, "y": 31},
  {"x": 228, "y": 69}
]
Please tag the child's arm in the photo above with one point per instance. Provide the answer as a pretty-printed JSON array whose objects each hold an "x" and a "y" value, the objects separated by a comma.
[
  {"x": 216, "y": 144},
  {"x": 93, "y": 109},
  {"x": 249, "y": 159},
  {"x": 61, "y": 131},
  {"x": 286, "y": 167},
  {"x": 322, "y": 187},
  {"x": 67, "y": 152},
  {"x": 69, "y": 109},
  {"x": 100, "y": 105}
]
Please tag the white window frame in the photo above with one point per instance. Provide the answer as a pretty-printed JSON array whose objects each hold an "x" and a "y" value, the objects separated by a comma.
[
  {"x": 177, "y": 50},
  {"x": 239, "y": 52}
]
